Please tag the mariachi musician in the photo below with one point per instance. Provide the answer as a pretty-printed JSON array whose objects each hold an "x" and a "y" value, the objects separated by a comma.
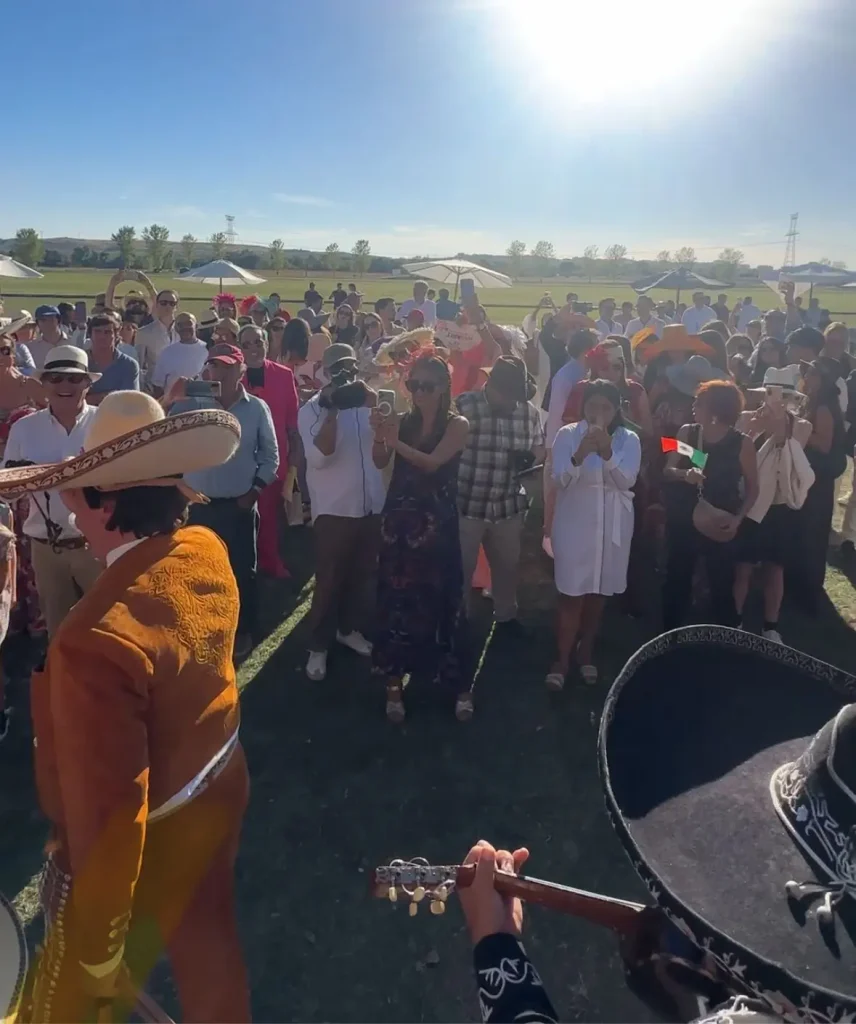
[
  {"x": 729, "y": 769},
  {"x": 135, "y": 714}
]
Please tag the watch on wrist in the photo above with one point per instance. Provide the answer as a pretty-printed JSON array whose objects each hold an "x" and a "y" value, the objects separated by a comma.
[{"x": 258, "y": 484}]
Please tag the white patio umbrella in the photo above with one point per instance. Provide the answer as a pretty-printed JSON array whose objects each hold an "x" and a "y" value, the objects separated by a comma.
[
  {"x": 221, "y": 272},
  {"x": 12, "y": 268},
  {"x": 451, "y": 272},
  {"x": 807, "y": 275}
]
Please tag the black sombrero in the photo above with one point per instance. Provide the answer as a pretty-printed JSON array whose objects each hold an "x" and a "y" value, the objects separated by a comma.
[{"x": 729, "y": 767}]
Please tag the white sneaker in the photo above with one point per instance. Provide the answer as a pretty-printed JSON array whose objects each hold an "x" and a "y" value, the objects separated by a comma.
[
  {"x": 316, "y": 667},
  {"x": 774, "y": 635},
  {"x": 357, "y": 642}
]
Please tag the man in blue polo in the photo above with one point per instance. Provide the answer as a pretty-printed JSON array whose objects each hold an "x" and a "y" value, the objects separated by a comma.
[{"x": 118, "y": 371}]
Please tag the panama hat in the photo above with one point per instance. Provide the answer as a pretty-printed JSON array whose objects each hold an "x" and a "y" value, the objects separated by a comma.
[
  {"x": 787, "y": 378},
  {"x": 132, "y": 442},
  {"x": 729, "y": 769},
  {"x": 67, "y": 359},
  {"x": 20, "y": 319},
  {"x": 674, "y": 338}
]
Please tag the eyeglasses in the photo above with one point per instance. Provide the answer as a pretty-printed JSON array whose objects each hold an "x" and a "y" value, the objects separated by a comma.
[
  {"x": 63, "y": 378},
  {"x": 167, "y": 302},
  {"x": 415, "y": 386},
  {"x": 615, "y": 366}
]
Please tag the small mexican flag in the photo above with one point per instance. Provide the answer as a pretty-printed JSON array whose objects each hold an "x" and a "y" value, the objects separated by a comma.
[{"x": 672, "y": 444}]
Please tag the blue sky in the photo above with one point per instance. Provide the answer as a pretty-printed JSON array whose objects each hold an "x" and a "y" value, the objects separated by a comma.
[{"x": 433, "y": 126}]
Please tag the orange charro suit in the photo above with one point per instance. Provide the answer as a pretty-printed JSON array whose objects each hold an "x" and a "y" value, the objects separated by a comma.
[{"x": 139, "y": 770}]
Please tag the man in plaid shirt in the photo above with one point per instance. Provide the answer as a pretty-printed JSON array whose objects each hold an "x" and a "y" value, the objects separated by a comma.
[{"x": 505, "y": 437}]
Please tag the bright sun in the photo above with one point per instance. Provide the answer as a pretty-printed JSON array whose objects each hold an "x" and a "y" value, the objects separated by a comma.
[{"x": 628, "y": 53}]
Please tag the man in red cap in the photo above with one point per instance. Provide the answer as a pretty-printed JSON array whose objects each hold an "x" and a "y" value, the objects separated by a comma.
[{"x": 233, "y": 489}]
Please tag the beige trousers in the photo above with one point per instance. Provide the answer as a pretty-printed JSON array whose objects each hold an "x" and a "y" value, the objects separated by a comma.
[
  {"x": 61, "y": 578},
  {"x": 501, "y": 542}
]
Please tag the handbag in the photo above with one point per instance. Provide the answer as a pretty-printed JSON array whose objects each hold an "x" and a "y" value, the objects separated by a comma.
[{"x": 708, "y": 519}]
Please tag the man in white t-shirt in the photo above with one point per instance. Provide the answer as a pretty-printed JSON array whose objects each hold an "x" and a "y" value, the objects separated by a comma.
[
  {"x": 604, "y": 324},
  {"x": 50, "y": 334},
  {"x": 748, "y": 311},
  {"x": 347, "y": 493},
  {"x": 646, "y": 318},
  {"x": 183, "y": 358},
  {"x": 427, "y": 307},
  {"x": 697, "y": 315}
]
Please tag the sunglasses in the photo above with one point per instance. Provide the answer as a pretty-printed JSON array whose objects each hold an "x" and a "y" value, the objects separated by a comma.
[
  {"x": 415, "y": 386},
  {"x": 63, "y": 378},
  {"x": 167, "y": 302},
  {"x": 6, "y": 350},
  {"x": 251, "y": 344}
]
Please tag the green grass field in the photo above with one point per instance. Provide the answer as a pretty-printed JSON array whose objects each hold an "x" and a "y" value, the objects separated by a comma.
[
  {"x": 69, "y": 285},
  {"x": 337, "y": 790}
]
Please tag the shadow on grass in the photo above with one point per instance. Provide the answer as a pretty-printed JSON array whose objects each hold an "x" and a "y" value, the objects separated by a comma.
[{"x": 337, "y": 790}]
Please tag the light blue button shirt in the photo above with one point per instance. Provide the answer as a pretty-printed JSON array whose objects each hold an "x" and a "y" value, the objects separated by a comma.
[{"x": 257, "y": 454}]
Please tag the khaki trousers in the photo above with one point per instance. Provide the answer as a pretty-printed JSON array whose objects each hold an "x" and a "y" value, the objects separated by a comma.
[
  {"x": 61, "y": 578},
  {"x": 501, "y": 542}
]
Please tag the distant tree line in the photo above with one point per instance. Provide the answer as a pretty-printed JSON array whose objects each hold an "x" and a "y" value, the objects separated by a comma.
[{"x": 153, "y": 250}]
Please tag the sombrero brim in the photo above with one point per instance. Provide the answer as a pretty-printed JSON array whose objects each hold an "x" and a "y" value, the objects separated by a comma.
[
  {"x": 179, "y": 444},
  {"x": 644, "y": 352},
  {"x": 692, "y": 731}
]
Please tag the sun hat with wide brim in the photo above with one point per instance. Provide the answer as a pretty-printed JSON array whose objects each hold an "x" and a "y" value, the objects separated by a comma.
[
  {"x": 704, "y": 738},
  {"x": 22, "y": 318},
  {"x": 689, "y": 376},
  {"x": 674, "y": 338},
  {"x": 132, "y": 442},
  {"x": 67, "y": 359}
]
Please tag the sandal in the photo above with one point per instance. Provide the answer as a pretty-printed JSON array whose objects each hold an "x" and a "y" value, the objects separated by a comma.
[
  {"x": 589, "y": 674},
  {"x": 555, "y": 681},
  {"x": 464, "y": 707},
  {"x": 394, "y": 704}
]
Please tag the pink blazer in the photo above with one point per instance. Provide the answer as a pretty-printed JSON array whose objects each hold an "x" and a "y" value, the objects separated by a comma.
[{"x": 280, "y": 393}]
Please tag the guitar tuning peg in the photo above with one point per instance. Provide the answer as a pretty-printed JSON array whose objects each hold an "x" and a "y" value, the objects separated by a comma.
[
  {"x": 438, "y": 907},
  {"x": 392, "y": 894},
  {"x": 418, "y": 894},
  {"x": 413, "y": 909}
]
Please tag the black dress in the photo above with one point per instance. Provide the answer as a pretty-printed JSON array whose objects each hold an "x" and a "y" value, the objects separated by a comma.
[
  {"x": 420, "y": 613},
  {"x": 722, "y": 484}
]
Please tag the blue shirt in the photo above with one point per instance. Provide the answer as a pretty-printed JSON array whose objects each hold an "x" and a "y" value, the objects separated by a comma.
[
  {"x": 257, "y": 454},
  {"x": 123, "y": 374},
  {"x": 446, "y": 309}
]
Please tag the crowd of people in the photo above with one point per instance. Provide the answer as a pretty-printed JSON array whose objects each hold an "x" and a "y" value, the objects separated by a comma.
[
  {"x": 153, "y": 460},
  {"x": 408, "y": 449}
]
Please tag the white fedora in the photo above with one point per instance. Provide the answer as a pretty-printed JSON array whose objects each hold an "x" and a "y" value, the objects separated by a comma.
[
  {"x": 67, "y": 359},
  {"x": 133, "y": 443},
  {"x": 787, "y": 378}
]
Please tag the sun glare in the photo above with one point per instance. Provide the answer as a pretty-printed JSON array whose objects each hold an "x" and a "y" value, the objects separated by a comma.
[{"x": 631, "y": 53}]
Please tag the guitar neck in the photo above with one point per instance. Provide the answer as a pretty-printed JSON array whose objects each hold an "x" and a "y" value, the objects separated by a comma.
[{"x": 619, "y": 915}]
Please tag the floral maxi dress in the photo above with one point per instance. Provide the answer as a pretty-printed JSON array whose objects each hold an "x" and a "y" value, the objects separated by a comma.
[{"x": 420, "y": 611}]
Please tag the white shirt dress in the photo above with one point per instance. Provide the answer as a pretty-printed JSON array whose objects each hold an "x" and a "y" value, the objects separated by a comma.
[{"x": 593, "y": 519}]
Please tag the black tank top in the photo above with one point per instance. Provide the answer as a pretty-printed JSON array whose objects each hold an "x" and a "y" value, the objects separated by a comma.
[{"x": 722, "y": 472}]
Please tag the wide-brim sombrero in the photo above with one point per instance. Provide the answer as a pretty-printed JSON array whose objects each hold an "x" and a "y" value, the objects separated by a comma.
[
  {"x": 644, "y": 351},
  {"x": 157, "y": 451},
  {"x": 692, "y": 731}
]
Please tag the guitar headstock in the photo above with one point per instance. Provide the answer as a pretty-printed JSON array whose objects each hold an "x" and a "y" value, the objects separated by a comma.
[{"x": 412, "y": 881}]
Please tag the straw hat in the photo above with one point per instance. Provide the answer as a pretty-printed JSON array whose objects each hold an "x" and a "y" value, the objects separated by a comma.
[
  {"x": 20, "y": 319},
  {"x": 132, "y": 442},
  {"x": 67, "y": 359}
]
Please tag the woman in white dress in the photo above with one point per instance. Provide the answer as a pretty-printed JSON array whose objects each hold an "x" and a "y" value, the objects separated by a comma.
[{"x": 595, "y": 463}]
